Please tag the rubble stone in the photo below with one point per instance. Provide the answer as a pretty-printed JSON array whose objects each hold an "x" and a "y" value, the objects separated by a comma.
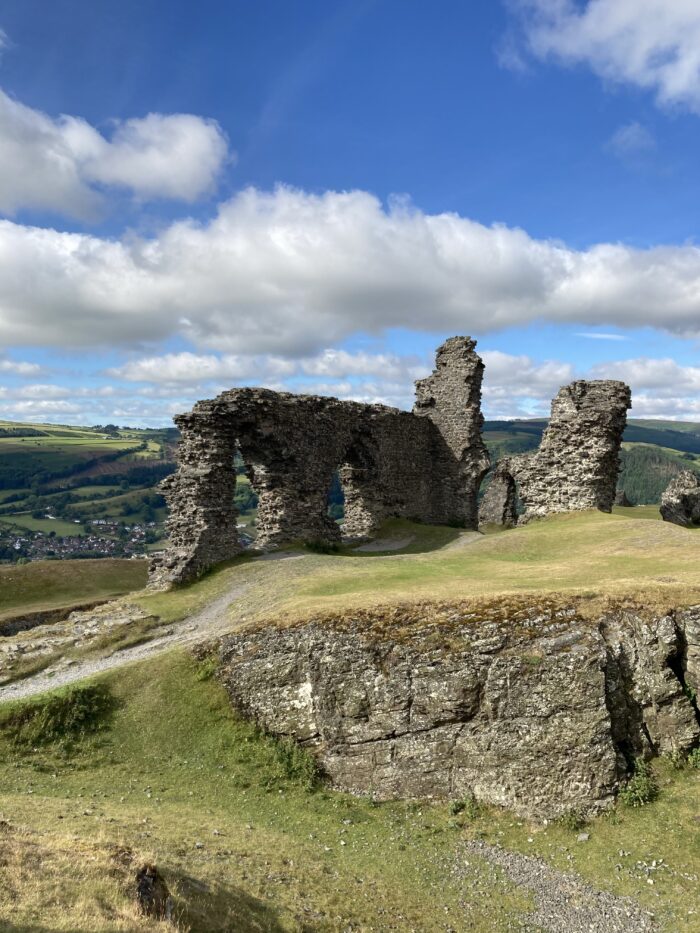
[{"x": 680, "y": 502}]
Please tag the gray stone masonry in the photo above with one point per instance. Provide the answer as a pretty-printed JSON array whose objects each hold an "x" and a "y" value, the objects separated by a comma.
[
  {"x": 425, "y": 466},
  {"x": 498, "y": 507},
  {"x": 680, "y": 502},
  {"x": 577, "y": 463}
]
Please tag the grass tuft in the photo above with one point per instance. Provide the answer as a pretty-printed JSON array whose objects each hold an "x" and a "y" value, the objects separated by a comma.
[
  {"x": 60, "y": 717},
  {"x": 641, "y": 788}
]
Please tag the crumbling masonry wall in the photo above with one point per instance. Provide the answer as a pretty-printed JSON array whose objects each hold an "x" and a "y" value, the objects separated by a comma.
[
  {"x": 425, "y": 466},
  {"x": 576, "y": 465}
]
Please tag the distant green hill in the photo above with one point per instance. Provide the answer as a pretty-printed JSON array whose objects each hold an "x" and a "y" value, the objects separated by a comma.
[{"x": 653, "y": 451}]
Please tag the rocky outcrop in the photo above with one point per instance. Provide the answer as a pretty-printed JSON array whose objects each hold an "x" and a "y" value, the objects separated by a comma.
[
  {"x": 680, "y": 502},
  {"x": 622, "y": 500},
  {"x": 499, "y": 505},
  {"x": 425, "y": 465},
  {"x": 532, "y": 707}
]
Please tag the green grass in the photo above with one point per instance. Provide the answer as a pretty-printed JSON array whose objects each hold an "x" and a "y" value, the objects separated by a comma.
[
  {"x": 228, "y": 816},
  {"x": 55, "y": 584},
  {"x": 586, "y": 553},
  {"x": 23, "y": 520}
]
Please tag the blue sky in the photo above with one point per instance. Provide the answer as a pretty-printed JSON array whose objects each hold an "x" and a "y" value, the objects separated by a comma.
[{"x": 313, "y": 195}]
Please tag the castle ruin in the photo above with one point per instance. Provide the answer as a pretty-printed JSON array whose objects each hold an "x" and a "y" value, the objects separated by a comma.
[
  {"x": 576, "y": 464},
  {"x": 426, "y": 465}
]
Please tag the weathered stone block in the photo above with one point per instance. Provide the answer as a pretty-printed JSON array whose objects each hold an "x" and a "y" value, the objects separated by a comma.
[{"x": 680, "y": 502}]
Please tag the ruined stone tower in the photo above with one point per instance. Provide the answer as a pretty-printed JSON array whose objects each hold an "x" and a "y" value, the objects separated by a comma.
[
  {"x": 577, "y": 463},
  {"x": 425, "y": 465}
]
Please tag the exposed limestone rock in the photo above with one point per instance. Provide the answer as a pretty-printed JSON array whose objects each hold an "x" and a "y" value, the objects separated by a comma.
[
  {"x": 680, "y": 502},
  {"x": 425, "y": 466},
  {"x": 577, "y": 464},
  {"x": 531, "y": 708},
  {"x": 498, "y": 507}
]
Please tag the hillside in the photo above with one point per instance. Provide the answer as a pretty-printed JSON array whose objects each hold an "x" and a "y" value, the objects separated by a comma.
[
  {"x": 244, "y": 832},
  {"x": 653, "y": 452},
  {"x": 72, "y": 493},
  {"x": 75, "y": 492}
]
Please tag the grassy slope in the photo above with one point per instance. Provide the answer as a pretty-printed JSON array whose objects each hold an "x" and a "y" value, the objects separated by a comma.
[
  {"x": 245, "y": 846},
  {"x": 587, "y": 553},
  {"x": 55, "y": 584}
]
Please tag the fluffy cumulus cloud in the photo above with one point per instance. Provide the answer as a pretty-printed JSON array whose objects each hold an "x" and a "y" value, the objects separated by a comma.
[
  {"x": 61, "y": 165},
  {"x": 289, "y": 273},
  {"x": 651, "y": 44},
  {"x": 150, "y": 389}
]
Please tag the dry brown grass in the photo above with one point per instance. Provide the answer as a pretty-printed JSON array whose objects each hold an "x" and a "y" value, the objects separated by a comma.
[{"x": 64, "y": 882}]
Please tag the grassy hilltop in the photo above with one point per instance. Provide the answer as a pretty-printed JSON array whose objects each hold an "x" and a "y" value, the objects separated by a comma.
[
  {"x": 245, "y": 835},
  {"x": 148, "y": 761}
]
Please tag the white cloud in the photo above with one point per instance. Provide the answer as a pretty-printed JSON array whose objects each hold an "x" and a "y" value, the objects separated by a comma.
[
  {"x": 289, "y": 273},
  {"x": 55, "y": 164},
  {"x": 19, "y": 368},
  {"x": 665, "y": 377},
  {"x": 515, "y": 386},
  {"x": 597, "y": 335},
  {"x": 651, "y": 44},
  {"x": 193, "y": 368},
  {"x": 631, "y": 140}
]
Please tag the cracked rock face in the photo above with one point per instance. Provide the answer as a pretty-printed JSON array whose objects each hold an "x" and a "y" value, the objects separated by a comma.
[
  {"x": 680, "y": 502},
  {"x": 425, "y": 466},
  {"x": 534, "y": 709}
]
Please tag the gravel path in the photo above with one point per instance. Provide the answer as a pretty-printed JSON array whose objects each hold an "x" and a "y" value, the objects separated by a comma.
[
  {"x": 564, "y": 903},
  {"x": 208, "y": 621}
]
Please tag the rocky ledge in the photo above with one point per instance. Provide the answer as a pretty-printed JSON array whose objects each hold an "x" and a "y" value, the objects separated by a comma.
[{"x": 534, "y": 707}]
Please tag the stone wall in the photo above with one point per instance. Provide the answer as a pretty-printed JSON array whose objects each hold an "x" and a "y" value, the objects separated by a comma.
[
  {"x": 451, "y": 399},
  {"x": 425, "y": 466},
  {"x": 577, "y": 463},
  {"x": 523, "y": 705}
]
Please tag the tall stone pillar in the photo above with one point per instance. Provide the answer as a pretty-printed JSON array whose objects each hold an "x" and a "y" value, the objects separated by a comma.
[
  {"x": 577, "y": 463},
  {"x": 202, "y": 516},
  {"x": 451, "y": 399}
]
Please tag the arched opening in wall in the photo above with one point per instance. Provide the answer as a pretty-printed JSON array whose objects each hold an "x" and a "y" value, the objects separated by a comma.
[
  {"x": 336, "y": 499},
  {"x": 355, "y": 490},
  {"x": 499, "y": 499},
  {"x": 246, "y": 498}
]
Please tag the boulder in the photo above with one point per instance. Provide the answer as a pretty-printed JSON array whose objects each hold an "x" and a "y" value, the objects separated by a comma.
[{"x": 680, "y": 502}]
